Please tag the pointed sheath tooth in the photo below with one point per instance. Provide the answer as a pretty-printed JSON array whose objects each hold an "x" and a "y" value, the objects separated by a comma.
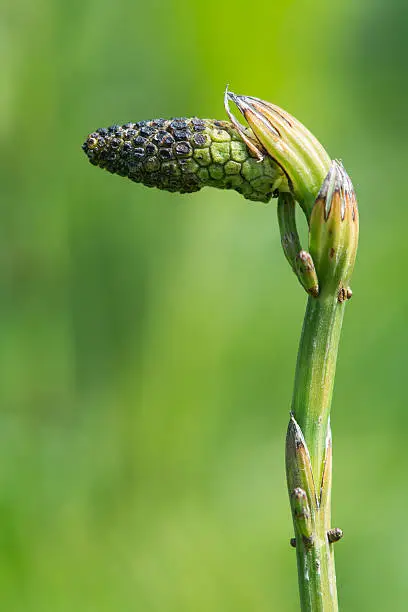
[
  {"x": 326, "y": 483},
  {"x": 333, "y": 232},
  {"x": 298, "y": 466},
  {"x": 278, "y": 148},
  {"x": 290, "y": 144},
  {"x": 301, "y": 138},
  {"x": 246, "y": 104},
  {"x": 253, "y": 145}
]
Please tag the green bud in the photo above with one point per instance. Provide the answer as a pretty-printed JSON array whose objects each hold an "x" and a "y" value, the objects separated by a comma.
[
  {"x": 288, "y": 142},
  {"x": 301, "y": 486},
  {"x": 184, "y": 155},
  {"x": 300, "y": 260},
  {"x": 334, "y": 535},
  {"x": 301, "y": 513},
  {"x": 298, "y": 465},
  {"x": 305, "y": 270},
  {"x": 333, "y": 236}
]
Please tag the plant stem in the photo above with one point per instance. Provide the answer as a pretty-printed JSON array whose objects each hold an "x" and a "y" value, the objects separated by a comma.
[
  {"x": 308, "y": 454},
  {"x": 315, "y": 371}
]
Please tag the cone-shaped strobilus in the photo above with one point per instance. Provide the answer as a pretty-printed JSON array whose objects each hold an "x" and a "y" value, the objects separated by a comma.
[
  {"x": 273, "y": 156},
  {"x": 184, "y": 155}
]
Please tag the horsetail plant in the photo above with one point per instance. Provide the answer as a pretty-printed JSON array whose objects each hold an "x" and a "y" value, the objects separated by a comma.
[{"x": 275, "y": 156}]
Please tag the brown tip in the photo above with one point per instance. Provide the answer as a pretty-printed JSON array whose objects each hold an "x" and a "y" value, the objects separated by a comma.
[
  {"x": 334, "y": 535},
  {"x": 314, "y": 291},
  {"x": 255, "y": 147},
  {"x": 337, "y": 187}
]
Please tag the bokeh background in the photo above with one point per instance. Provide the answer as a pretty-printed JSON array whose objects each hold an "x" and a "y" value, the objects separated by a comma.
[{"x": 148, "y": 340}]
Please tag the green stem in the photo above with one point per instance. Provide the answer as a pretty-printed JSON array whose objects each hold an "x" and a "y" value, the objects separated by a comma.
[
  {"x": 315, "y": 371},
  {"x": 312, "y": 396}
]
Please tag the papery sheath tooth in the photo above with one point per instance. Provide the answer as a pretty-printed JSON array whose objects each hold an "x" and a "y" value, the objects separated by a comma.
[{"x": 298, "y": 466}]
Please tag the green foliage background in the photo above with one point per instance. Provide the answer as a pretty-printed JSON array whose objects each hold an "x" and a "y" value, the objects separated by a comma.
[{"x": 148, "y": 340}]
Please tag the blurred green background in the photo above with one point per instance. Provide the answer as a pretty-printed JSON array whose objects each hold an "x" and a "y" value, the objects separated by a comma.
[{"x": 147, "y": 348}]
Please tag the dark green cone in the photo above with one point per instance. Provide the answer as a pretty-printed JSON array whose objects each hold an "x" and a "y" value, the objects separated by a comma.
[{"x": 184, "y": 155}]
